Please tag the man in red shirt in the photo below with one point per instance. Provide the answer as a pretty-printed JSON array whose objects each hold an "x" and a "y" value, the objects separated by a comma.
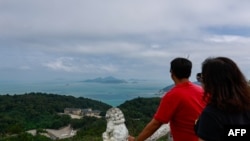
[{"x": 181, "y": 106}]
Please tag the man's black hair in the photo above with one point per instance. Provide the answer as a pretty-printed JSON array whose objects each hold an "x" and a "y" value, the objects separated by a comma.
[{"x": 181, "y": 68}]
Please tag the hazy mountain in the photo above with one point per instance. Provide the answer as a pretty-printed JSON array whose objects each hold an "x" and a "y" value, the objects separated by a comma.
[{"x": 108, "y": 79}]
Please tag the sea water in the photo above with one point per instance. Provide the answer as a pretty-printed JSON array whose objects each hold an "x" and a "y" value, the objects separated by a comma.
[{"x": 111, "y": 93}]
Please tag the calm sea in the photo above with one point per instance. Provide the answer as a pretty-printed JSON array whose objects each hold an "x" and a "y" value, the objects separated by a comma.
[{"x": 112, "y": 94}]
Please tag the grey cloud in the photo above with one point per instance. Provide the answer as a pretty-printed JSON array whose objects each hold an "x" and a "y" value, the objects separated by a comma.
[{"x": 124, "y": 38}]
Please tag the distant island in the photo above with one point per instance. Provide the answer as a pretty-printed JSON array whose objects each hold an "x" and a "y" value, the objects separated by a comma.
[{"x": 108, "y": 79}]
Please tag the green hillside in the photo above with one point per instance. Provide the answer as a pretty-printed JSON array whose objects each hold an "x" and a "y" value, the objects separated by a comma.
[{"x": 19, "y": 113}]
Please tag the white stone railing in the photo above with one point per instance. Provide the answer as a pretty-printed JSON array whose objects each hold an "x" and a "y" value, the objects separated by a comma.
[{"x": 117, "y": 131}]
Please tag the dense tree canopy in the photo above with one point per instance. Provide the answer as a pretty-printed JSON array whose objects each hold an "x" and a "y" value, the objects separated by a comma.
[
  {"x": 19, "y": 113},
  {"x": 39, "y": 110},
  {"x": 138, "y": 112}
]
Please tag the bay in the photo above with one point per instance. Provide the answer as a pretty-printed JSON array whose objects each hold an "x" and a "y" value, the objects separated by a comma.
[{"x": 111, "y": 93}]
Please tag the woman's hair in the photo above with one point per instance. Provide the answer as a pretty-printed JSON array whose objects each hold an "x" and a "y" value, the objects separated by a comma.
[
  {"x": 181, "y": 67},
  {"x": 224, "y": 85}
]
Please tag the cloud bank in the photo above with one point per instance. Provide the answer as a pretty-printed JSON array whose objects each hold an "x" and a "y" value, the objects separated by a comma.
[{"x": 77, "y": 39}]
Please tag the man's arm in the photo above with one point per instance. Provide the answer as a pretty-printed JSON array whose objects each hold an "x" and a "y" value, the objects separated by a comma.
[{"x": 151, "y": 127}]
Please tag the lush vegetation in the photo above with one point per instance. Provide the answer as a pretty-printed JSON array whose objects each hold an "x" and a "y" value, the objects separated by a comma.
[
  {"x": 138, "y": 112},
  {"x": 38, "y": 110},
  {"x": 19, "y": 113}
]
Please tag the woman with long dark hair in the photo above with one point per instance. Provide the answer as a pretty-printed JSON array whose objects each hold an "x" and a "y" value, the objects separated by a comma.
[{"x": 227, "y": 94}]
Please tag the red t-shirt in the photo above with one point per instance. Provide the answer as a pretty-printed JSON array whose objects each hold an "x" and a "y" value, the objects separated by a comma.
[{"x": 181, "y": 106}]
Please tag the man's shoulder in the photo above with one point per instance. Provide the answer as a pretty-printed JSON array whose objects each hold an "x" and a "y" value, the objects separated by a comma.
[
  {"x": 196, "y": 84},
  {"x": 189, "y": 86}
]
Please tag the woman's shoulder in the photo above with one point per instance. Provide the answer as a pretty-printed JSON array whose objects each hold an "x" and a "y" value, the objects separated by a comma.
[
  {"x": 211, "y": 109},
  {"x": 227, "y": 117}
]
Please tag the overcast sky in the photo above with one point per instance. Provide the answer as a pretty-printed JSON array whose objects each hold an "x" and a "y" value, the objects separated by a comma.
[{"x": 79, "y": 39}]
